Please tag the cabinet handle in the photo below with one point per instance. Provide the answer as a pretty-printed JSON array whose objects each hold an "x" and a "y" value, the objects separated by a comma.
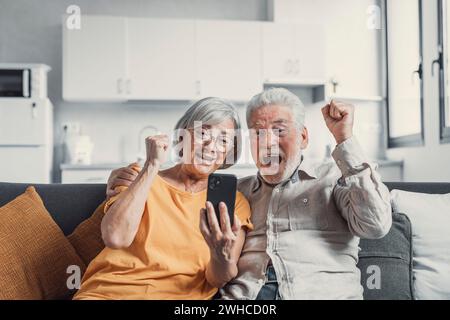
[
  {"x": 334, "y": 82},
  {"x": 197, "y": 87},
  {"x": 437, "y": 61},
  {"x": 119, "y": 86},
  {"x": 128, "y": 86},
  {"x": 289, "y": 66},
  {"x": 33, "y": 110},
  {"x": 419, "y": 72},
  {"x": 297, "y": 66}
]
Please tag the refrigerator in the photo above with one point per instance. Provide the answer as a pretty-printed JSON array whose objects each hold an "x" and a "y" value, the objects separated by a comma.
[{"x": 26, "y": 125}]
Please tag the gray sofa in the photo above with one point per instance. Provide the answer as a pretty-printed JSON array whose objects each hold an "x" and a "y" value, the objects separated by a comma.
[{"x": 391, "y": 257}]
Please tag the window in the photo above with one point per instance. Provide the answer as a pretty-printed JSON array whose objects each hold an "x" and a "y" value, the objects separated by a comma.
[
  {"x": 442, "y": 60},
  {"x": 404, "y": 72}
]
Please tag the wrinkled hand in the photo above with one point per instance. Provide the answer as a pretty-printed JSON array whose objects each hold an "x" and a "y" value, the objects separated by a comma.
[
  {"x": 157, "y": 149},
  {"x": 121, "y": 177},
  {"x": 220, "y": 238},
  {"x": 339, "y": 119}
]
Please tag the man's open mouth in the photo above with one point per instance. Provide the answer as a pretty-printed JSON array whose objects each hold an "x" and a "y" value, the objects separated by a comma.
[{"x": 271, "y": 160}]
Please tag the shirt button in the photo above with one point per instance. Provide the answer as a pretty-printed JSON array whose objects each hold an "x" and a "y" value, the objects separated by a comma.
[
  {"x": 305, "y": 200},
  {"x": 339, "y": 162}
]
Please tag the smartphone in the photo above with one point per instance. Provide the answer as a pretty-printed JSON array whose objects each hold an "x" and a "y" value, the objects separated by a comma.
[{"x": 222, "y": 188}]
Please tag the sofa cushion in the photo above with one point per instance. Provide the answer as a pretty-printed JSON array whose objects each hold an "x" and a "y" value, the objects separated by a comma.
[
  {"x": 87, "y": 238},
  {"x": 34, "y": 253},
  {"x": 386, "y": 264},
  {"x": 430, "y": 217}
]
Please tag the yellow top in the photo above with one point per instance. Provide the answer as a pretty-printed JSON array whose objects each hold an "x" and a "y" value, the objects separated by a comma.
[{"x": 168, "y": 257}]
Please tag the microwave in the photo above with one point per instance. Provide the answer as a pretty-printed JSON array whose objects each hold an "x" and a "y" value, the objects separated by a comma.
[{"x": 23, "y": 80}]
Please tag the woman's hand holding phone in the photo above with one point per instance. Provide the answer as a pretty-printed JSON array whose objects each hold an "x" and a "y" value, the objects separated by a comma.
[{"x": 222, "y": 236}]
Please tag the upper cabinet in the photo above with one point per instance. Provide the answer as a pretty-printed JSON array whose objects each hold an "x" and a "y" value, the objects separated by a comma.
[
  {"x": 116, "y": 58},
  {"x": 293, "y": 53},
  {"x": 94, "y": 59},
  {"x": 161, "y": 59},
  {"x": 229, "y": 59}
]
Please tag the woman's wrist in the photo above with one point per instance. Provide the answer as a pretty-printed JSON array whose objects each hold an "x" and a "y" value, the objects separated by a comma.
[
  {"x": 227, "y": 266},
  {"x": 219, "y": 274},
  {"x": 146, "y": 175},
  {"x": 222, "y": 260},
  {"x": 152, "y": 165}
]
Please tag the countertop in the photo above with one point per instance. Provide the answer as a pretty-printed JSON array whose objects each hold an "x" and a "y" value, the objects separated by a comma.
[{"x": 111, "y": 166}]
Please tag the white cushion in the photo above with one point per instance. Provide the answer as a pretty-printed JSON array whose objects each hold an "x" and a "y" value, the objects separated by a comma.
[{"x": 430, "y": 220}]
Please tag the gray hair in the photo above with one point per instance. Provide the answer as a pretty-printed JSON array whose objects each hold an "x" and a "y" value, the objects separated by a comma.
[
  {"x": 211, "y": 111},
  {"x": 280, "y": 97}
]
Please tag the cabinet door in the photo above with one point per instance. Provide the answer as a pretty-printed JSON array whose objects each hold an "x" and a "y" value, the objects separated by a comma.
[
  {"x": 85, "y": 176},
  {"x": 25, "y": 122},
  {"x": 94, "y": 59},
  {"x": 25, "y": 164},
  {"x": 161, "y": 62},
  {"x": 229, "y": 59},
  {"x": 309, "y": 59},
  {"x": 278, "y": 51}
]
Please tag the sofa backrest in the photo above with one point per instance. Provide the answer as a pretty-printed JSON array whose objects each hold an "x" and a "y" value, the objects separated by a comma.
[
  {"x": 422, "y": 187},
  {"x": 69, "y": 204}
]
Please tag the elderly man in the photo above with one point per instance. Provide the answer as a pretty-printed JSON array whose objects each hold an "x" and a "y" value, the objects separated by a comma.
[{"x": 307, "y": 219}]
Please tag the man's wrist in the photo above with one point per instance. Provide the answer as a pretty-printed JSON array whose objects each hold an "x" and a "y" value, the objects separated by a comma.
[
  {"x": 349, "y": 156},
  {"x": 343, "y": 138}
]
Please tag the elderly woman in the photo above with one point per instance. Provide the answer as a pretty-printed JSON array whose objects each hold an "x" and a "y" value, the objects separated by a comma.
[{"x": 163, "y": 240}]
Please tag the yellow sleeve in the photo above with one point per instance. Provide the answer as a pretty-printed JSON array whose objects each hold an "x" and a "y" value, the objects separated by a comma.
[{"x": 243, "y": 211}]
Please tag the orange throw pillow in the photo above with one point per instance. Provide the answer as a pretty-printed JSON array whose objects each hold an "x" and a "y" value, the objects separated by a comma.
[
  {"x": 87, "y": 237},
  {"x": 34, "y": 253}
]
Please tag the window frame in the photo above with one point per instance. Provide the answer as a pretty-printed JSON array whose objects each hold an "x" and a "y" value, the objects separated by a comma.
[
  {"x": 444, "y": 68},
  {"x": 412, "y": 140}
]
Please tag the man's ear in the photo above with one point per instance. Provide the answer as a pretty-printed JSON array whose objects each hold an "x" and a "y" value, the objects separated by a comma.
[{"x": 305, "y": 138}]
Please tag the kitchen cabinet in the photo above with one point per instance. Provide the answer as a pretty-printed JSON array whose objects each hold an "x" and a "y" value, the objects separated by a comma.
[
  {"x": 293, "y": 53},
  {"x": 84, "y": 173},
  {"x": 94, "y": 59},
  {"x": 161, "y": 59},
  {"x": 119, "y": 58},
  {"x": 228, "y": 59},
  {"x": 85, "y": 176},
  {"x": 390, "y": 170}
]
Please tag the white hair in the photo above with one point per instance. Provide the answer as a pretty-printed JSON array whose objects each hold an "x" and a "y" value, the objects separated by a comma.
[
  {"x": 211, "y": 111},
  {"x": 279, "y": 97}
]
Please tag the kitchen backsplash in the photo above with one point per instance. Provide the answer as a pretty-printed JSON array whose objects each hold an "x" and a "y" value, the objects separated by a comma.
[{"x": 114, "y": 128}]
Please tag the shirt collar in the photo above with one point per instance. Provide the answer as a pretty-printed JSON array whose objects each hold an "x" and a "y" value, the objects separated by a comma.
[
  {"x": 308, "y": 167},
  {"x": 306, "y": 170}
]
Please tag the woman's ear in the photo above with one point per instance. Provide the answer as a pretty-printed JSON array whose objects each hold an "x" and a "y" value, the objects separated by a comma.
[{"x": 305, "y": 138}]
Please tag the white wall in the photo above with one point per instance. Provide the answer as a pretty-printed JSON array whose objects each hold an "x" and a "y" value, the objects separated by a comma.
[{"x": 432, "y": 161}]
